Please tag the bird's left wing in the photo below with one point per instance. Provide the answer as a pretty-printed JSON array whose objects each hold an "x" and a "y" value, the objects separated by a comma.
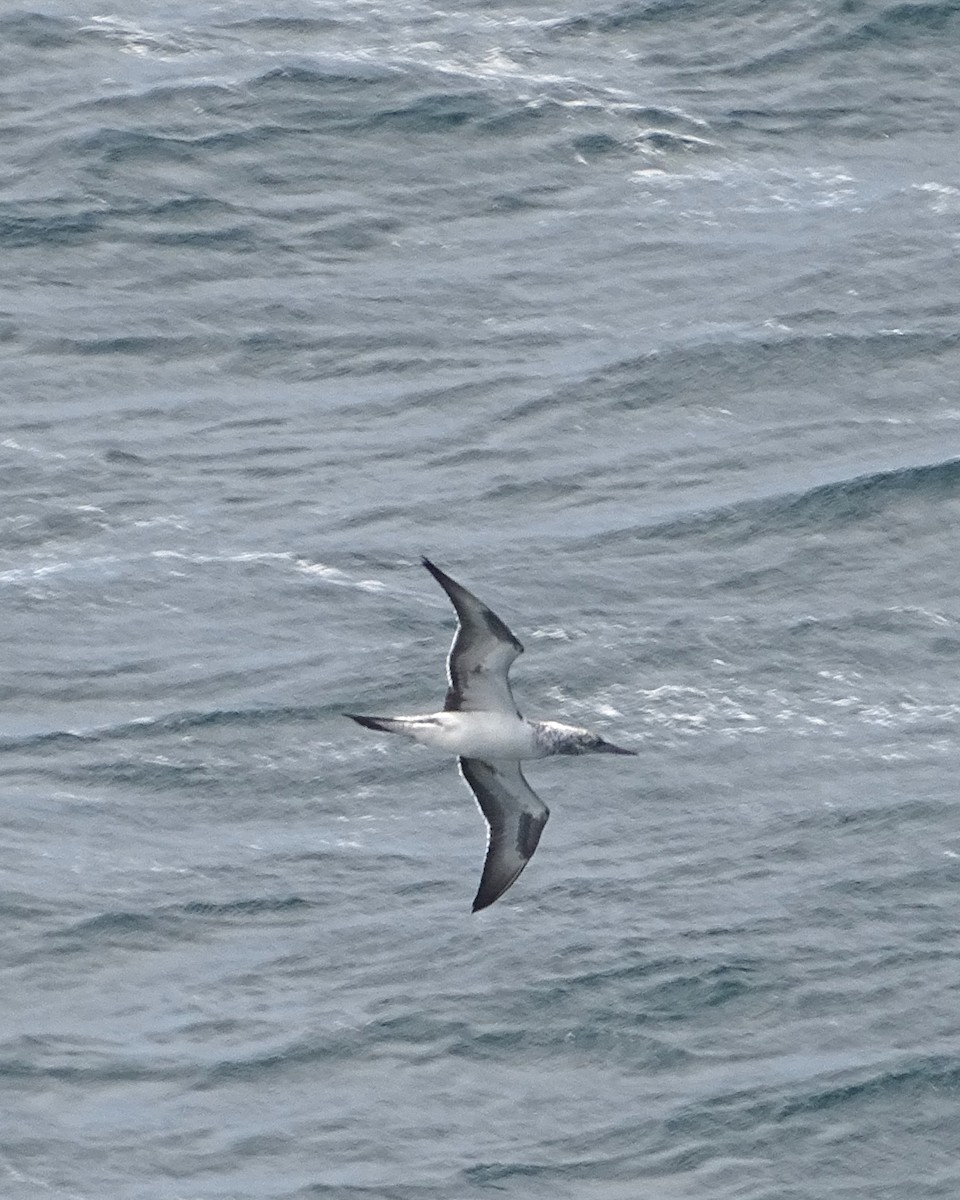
[
  {"x": 515, "y": 815},
  {"x": 480, "y": 657}
]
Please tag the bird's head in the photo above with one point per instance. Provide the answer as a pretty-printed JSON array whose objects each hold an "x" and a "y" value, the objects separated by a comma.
[{"x": 571, "y": 739}]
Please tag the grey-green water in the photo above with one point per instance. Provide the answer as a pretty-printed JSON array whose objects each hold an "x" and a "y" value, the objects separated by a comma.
[{"x": 643, "y": 322}]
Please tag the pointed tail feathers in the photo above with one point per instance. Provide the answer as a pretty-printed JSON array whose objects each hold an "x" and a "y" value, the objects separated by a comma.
[{"x": 386, "y": 724}]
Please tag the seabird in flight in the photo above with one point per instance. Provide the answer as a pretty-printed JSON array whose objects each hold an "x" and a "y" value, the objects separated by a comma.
[{"x": 482, "y": 726}]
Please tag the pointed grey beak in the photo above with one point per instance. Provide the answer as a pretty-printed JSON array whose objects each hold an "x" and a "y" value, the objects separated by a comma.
[{"x": 610, "y": 748}]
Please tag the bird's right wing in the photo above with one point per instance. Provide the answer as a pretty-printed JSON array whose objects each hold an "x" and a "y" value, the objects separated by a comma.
[
  {"x": 480, "y": 657},
  {"x": 515, "y": 815}
]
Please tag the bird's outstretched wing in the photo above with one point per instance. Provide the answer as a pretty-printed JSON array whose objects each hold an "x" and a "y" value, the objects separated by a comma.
[
  {"x": 515, "y": 815},
  {"x": 480, "y": 657}
]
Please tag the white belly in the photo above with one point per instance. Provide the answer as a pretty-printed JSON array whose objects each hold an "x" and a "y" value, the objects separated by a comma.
[{"x": 476, "y": 734}]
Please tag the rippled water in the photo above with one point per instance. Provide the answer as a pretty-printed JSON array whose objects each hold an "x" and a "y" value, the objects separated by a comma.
[{"x": 643, "y": 322}]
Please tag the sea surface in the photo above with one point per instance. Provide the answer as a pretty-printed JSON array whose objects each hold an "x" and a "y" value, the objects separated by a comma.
[{"x": 642, "y": 320}]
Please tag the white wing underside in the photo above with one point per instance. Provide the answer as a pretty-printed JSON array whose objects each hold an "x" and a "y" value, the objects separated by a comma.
[{"x": 515, "y": 817}]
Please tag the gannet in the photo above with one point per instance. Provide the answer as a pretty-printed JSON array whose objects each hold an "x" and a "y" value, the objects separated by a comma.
[{"x": 482, "y": 726}]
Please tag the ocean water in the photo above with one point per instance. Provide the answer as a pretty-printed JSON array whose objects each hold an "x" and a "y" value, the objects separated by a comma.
[{"x": 642, "y": 320}]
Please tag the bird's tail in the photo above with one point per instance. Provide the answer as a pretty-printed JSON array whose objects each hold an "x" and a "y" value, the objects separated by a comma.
[{"x": 387, "y": 724}]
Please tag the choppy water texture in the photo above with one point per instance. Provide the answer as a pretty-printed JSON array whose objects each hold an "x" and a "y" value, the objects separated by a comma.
[{"x": 642, "y": 320}]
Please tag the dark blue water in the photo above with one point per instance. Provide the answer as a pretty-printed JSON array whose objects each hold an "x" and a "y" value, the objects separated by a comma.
[{"x": 643, "y": 321}]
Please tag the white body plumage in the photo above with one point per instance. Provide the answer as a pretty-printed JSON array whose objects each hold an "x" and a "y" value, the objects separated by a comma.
[
  {"x": 472, "y": 735},
  {"x": 498, "y": 735}
]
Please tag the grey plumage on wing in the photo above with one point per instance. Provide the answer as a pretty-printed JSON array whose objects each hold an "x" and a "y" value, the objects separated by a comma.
[{"x": 481, "y": 724}]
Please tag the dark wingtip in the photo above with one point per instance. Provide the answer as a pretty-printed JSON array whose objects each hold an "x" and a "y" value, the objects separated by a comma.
[{"x": 488, "y": 893}]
